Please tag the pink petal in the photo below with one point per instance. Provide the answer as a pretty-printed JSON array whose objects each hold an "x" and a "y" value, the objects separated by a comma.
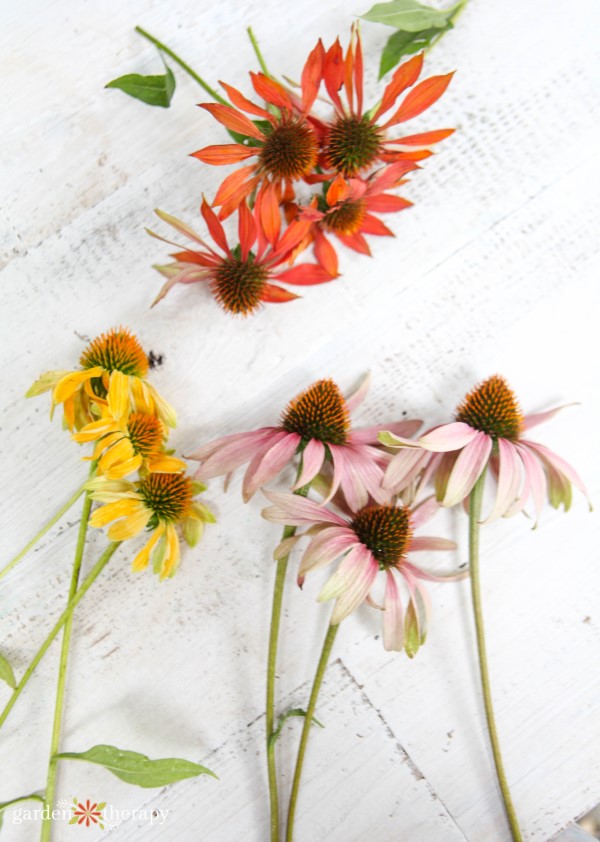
[
  {"x": 432, "y": 577},
  {"x": 326, "y": 546},
  {"x": 537, "y": 478},
  {"x": 294, "y": 510},
  {"x": 423, "y": 542},
  {"x": 313, "y": 456},
  {"x": 404, "y": 468},
  {"x": 538, "y": 418},
  {"x": 368, "y": 435},
  {"x": 393, "y": 617},
  {"x": 509, "y": 479},
  {"x": 423, "y": 512},
  {"x": 264, "y": 467},
  {"x": 558, "y": 464},
  {"x": 468, "y": 467},
  {"x": 358, "y": 395},
  {"x": 452, "y": 436},
  {"x": 211, "y": 447},
  {"x": 358, "y": 588},
  {"x": 233, "y": 453}
]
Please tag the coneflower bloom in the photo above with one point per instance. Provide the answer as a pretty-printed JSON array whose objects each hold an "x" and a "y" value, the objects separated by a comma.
[
  {"x": 315, "y": 424},
  {"x": 125, "y": 445},
  {"x": 283, "y": 141},
  {"x": 347, "y": 207},
  {"x": 160, "y": 502},
  {"x": 242, "y": 279},
  {"x": 112, "y": 375},
  {"x": 375, "y": 538},
  {"x": 357, "y": 138},
  {"x": 489, "y": 428}
]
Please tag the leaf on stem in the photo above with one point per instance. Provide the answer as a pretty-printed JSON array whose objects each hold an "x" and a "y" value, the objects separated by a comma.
[
  {"x": 33, "y": 796},
  {"x": 7, "y": 674},
  {"x": 137, "y": 769},
  {"x": 153, "y": 90},
  {"x": 282, "y": 720}
]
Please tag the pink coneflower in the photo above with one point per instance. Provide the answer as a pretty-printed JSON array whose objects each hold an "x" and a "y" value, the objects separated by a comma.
[
  {"x": 241, "y": 278},
  {"x": 375, "y": 538},
  {"x": 488, "y": 428},
  {"x": 316, "y": 424}
]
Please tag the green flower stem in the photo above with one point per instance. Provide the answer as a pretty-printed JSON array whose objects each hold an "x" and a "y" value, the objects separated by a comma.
[
  {"x": 475, "y": 501},
  {"x": 81, "y": 592},
  {"x": 62, "y": 669},
  {"x": 308, "y": 721},
  {"x": 167, "y": 51},
  {"x": 42, "y": 531},
  {"x": 256, "y": 49},
  {"x": 282, "y": 564}
]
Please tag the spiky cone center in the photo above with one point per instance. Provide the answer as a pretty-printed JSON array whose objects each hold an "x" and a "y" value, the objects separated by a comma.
[
  {"x": 290, "y": 151},
  {"x": 492, "y": 408},
  {"x": 145, "y": 432},
  {"x": 168, "y": 496},
  {"x": 386, "y": 531},
  {"x": 320, "y": 412},
  {"x": 353, "y": 144},
  {"x": 238, "y": 285},
  {"x": 117, "y": 350},
  {"x": 347, "y": 218}
]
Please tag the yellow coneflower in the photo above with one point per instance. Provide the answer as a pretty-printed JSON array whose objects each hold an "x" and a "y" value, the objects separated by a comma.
[
  {"x": 129, "y": 444},
  {"x": 113, "y": 368},
  {"x": 159, "y": 502}
]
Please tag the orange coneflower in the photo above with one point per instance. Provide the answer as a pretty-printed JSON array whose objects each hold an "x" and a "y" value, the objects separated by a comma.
[
  {"x": 356, "y": 139},
  {"x": 283, "y": 141}
]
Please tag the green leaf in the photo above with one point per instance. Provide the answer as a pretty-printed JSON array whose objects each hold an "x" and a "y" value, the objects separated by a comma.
[
  {"x": 6, "y": 672},
  {"x": 409, "y": 15},
  {"x": 153, "y": 90},
  {"x": 134, "y": 768},
  {"x": 403, "y": 43},
  {"x": 282, "y": 720},
  {"x": 34, "y": 796}
]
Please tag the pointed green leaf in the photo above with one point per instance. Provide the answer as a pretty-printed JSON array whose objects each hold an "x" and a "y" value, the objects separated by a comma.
[
  {"x": 404, "y": 43},
  {"x": 282, "y": 720},
  {"x": 6, "y": 672},
  {"x": 153, "y": 90},
  {"x": 33, "y": 796},
  {"x": 137, "y": 769},
  {"x": 409, "y": 15}
]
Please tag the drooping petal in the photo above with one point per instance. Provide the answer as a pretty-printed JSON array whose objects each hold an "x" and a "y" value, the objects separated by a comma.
[
  {"x": 313, "y": 457},
  {"x": 325, "y": 253},
  {"x": 235, "y": 188},
  {"x": 424, "y": 512},
  {"x": 233, "y": 120},
  {"x": 266, "y": 465},
  {"x": 559, "y": 465},
  {"x": 537, "y": 478},
  {"x": 358, "y": 587},
  {"x": 369, "y": 435},
  {"x": 467, "y": 469},
  {"x": 509, "y": 479},
  {"x": 355, "y": 398},
  {"x": 271, "y": 91},
  {"x": 130, "y": 526},
  {"x": 326, "y": 546},
  {"x": 452, "y": 436},
  {"x": 240, "y": 101},
  {"x": 393, "y": 616},
  {"x": 232, "y": 452},
  {"x": 268, "y": 213},
  {"x": 427, "y": 543},
  {"x": 355, "y": 241},
  {"x": 294, "y": 510},
  {"x": 419, "y": 573},
  {"x": 404, "y": 467},
  {"x": 372, "y": 225},
  {"x": 530, "y": 421},
  {"x": 140, "y": 562}
]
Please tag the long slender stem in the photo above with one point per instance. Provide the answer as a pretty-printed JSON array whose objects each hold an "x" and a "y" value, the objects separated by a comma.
[
  {"x": 282, "y": 564},
  {"x": 256, "y": 48},
  {"x": 81, "y": 592},
  {"x": 475, "y": 501},
  {"x": 167, "y": 51},
  {"x": 62, "y": 671},
  {"x": 308, "y": 721},
  {"x": 70, "y": 502}
]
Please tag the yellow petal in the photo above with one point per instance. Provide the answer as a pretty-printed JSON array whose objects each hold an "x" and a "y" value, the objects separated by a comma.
[
  {"x": 96, "y": 430},
  {"x": 123, "y": 468},
  {"x": 164, "y": 410},
  {"x": 118, "y": 394},
  {"x": 140, "y": 562},
  {"x": 71, "y": 383},
  {"x": 160, "y": 464},
  {"x": 112, "y": 511},
  {"x": 131, "y": 525},
  {"x": 119, "y": 452},
  {"x": 141, "y": 397},
  {"x": 45, "y": 382},
  {"x": 171, "y": 559}
]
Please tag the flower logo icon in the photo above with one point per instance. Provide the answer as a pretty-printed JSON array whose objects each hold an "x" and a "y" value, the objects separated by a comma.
[{"x": 88, "y": 814}]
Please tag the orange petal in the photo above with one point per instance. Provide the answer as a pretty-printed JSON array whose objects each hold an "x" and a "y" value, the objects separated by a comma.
[
  {"x": 273, "y": 294},
  {"x": 404, "y": 77},
  {"x": 420, "y": 98},
  {"x": 227, "y": 153},
  {"x": 425, "y": 138},
  {"x": 234, "y": 184},
  {"x": 325, "y": 253},
  {"x": 385, "y": 203},
  {"x": 233, "y": 120},
  {"x": 312, "y": 75},
  {"x": 338, "y": 190},
  {"x": 246, "y": 229},
  {"x": 307, "y": 274},
  {"x": 240, "y": 101},
  {"x": 214, "y": 226},
  {"x": 333, "y": 72},
  {"x": 372, "y": 225},
  {"x": 269, "y": 215},
  {"x": 271, "y": 91}
]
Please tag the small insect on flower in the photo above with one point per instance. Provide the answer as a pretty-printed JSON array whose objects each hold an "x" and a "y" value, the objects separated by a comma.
[
  {"x": 356, "y": 139},
  {"x": 489, "y": 429},
  {"x": 375, "y": 538},
  {"x": 241, "y": 278},
  {"x": 112, "y": 376},
  {"x": 282, "y": 140},
  {"x": 316, "y": 424},
  {"x": 159, "y": 503}
]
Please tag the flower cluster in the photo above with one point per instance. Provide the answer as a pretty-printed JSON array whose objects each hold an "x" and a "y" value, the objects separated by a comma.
[
  {"x": 350, "y": 153},
  {"x": 376, "y": 489},
  {"x": 109, "y": 402}
]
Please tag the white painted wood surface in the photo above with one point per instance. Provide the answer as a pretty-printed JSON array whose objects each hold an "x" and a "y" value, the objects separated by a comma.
[{"x": 494, "y": 269}]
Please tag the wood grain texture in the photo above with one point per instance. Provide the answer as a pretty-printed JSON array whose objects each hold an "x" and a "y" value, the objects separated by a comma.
[{"x": 494, "y": 269}]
